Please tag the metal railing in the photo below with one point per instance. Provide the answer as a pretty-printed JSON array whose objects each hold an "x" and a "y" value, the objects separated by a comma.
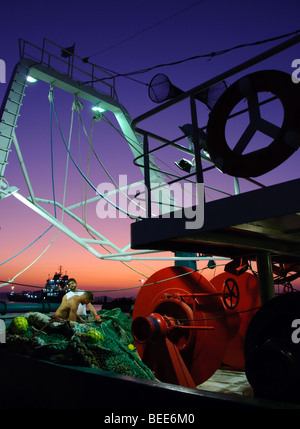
[
  {"x": 199, "y": 156},
  {"x": 71, "y": 65}
]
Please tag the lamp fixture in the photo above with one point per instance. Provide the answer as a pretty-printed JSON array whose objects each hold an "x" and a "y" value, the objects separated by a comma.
[
  {"x": 98, "y": 109},
  {"x": 185, "y": 165},
  {"x": 31, "y": 79}
]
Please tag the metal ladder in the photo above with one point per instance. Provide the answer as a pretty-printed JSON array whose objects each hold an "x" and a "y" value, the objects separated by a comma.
[{"x": 9, "y": 113}]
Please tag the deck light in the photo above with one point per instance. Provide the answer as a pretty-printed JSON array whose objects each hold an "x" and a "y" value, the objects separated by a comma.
[
  {"x": 31, "y": 79},
  {"x": 98, "y": 109}
]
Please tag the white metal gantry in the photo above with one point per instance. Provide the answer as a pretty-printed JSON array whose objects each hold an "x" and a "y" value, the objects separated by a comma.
[{"x": 41, "y": 70}]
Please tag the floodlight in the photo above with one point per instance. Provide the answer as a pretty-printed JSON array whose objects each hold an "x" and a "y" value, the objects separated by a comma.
[
  {"x": 31, "y": 79},
  {"x": 98, "y": 109}
]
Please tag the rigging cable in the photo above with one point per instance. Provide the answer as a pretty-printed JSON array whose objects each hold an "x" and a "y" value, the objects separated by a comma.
[
  {"x": 111, "y": 178},
  {"x": 26, "y": 247},
  {"x": 144, "y": 30},
  {"x": 81, "y": 172},
  {"x": 209, "y": 55},
  {"x": 30, "y": 265},
  {"x": 160, "y": 281},
  {"x": 91, "y": 148},
  {"x": 85, "y": 177},
  {"x": 50, "y": 96},
  {"x": 63, "y": 205},
  {"x": 53, "y": 190}
]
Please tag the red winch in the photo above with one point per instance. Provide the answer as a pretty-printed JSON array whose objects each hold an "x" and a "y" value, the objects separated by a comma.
[{"x": 186, "y": 327}]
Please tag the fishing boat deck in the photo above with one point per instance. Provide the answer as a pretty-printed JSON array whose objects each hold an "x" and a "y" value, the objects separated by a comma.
[
  {"x": 266, "y": 219},
  {"x": 228, "y": 381},
  {"x": 107, "y": 391}
]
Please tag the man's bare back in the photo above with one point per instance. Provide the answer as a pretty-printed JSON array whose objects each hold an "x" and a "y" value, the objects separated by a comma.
[{"x": 68, "y": 309}]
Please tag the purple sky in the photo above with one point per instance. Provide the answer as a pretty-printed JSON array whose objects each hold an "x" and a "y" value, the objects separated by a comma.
[{"x": 123, "y": 37}]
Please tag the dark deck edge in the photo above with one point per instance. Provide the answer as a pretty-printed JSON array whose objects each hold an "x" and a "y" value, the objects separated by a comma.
[{"x": 31, "y": 383}]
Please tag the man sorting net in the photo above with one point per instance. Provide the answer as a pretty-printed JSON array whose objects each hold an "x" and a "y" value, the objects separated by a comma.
[
  {"x": 68, "y": 308},
  {"x": 81, "y": 311}
]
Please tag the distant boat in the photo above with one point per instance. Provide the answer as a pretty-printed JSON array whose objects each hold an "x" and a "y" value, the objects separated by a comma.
[
  {"x": 53, "y": 291},
  {"x": 125, "y": 304}
]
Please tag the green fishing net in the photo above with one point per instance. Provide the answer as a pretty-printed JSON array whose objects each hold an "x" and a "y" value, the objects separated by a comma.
[{"x": 107, "y": 345}]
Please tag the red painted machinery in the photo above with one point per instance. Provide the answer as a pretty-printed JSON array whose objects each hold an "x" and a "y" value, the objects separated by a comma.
[{"x": 186, "y": 327}]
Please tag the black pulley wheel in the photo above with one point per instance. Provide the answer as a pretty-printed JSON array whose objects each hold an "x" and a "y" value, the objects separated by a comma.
[
  {"x": 272, "y": 349},
  {"x": 239, "y": 161}
]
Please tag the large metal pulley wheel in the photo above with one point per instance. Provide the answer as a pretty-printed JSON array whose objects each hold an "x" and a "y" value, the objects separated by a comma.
[
  {"x": 179, "y": 306},
  {"x": 286, "y": 139},
  {"x": 230, "y": 294}
]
